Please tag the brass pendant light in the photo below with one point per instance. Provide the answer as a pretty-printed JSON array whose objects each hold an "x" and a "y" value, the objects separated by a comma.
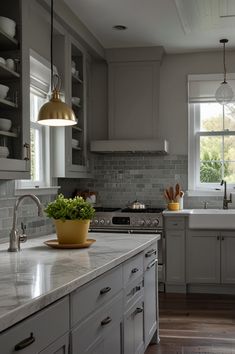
[
  {"x": 55, "y": 112},
  {"x": 224, "y": 93}
]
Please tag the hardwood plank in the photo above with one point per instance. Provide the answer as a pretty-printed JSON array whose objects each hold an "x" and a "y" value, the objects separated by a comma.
[{"x": 196, "y": 323}]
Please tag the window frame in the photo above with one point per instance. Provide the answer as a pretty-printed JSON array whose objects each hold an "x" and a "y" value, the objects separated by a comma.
[
  {"x": 194, "y": 185},
  {"x": 48, "y": 184}
]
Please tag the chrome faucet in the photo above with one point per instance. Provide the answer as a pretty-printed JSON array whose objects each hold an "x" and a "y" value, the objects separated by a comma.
[
  {"x": 225, "y": 200},
  {"x": 15, "y": 237}
]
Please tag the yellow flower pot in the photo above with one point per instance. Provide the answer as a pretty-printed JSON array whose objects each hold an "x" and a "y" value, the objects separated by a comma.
[
  {"x": 173, "y": 206},
  {"x": 72, "y": 231}
]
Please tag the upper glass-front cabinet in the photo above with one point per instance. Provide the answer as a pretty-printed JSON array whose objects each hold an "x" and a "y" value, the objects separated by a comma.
[
  {"x": 70, "y": 142},
  {"x": 14, "y": 92}
]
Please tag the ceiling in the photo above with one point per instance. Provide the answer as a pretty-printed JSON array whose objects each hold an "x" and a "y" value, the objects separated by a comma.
[{"x": 177, "y": 25}]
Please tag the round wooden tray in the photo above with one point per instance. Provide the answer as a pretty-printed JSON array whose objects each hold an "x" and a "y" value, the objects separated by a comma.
[{"x": 56, "y": 244}]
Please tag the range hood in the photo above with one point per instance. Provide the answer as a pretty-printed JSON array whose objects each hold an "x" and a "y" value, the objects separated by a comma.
[{"x": 159, "y": 146}]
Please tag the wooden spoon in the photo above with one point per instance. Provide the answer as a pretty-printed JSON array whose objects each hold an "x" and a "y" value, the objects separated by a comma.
[
  {"x": 171, "y": 192},
  {"x": 177, "y": 189}
]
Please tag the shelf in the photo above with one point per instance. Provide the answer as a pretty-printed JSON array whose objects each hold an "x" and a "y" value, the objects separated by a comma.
[
  {"x": 76, "y": 148},
  {"x": 77, "y": 128},
  {"x": 76, "y": 79},
  {"x": 10, "y": 134},
  {"x": 6, "y": 73},
  {"x": 7, "y": 104},
  {"x": 7, "y": 42}
]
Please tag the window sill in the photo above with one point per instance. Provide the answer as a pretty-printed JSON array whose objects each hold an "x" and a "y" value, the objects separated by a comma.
[
  {"x": 207, "y": 193},
  {"x": 38, "y": 190}
]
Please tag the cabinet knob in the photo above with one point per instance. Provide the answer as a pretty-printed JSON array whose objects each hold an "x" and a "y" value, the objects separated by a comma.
[
  {"x": 222, "y": 238},
  {"x": 106, "y": 321},
  {"x": 105, "y": 290},
  {"x": 134, "y": 270},
  {"x": 25, "y": 343}
]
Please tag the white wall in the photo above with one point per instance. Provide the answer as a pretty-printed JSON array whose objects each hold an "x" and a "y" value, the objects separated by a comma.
[{"x": 173, "y": 92}]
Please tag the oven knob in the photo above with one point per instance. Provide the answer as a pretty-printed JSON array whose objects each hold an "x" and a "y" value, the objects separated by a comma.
[
  {"x": 155, "y": 222},
  {"x": 148, "y": 222},
  {"x": 140, "y": 222},
  {"x": 108, "y": 222},
  {"x": 102, "y": 222},
  {"x": 96, "y": 222}
]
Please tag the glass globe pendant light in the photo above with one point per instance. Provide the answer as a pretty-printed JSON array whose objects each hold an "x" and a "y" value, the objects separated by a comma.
[
  {"x": 224, "y": 93},
  {"x": 55, "y": 112}
]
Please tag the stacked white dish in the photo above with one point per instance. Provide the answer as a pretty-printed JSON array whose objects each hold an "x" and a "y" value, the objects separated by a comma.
[
  {"x": 4, "y": 152},
  {"x": 75, "y": 143},
  {"x": 5, "y": 124},
  {"x": 3, "y": 91},
  {"x": 8, "y": 26},
  {"x": 76, "y": 100}
]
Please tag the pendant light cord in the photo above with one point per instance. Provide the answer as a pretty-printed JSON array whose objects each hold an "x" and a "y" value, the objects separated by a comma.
[
  {"x": 51, "y": 44},
  {"x": 224, "y": 63}
]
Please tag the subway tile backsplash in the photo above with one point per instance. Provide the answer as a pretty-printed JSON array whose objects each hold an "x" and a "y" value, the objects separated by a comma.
[
  {"x": 119, "y": 178},
  {"x": 27, "y": 213},
  {"x": 122, "y": 178}
]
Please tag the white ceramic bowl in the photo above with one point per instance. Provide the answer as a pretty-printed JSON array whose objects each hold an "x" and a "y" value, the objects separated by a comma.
[
  {"x": 5, "y": 124},
  {"x": 76, "y": 100},
  {"x": 75, "y": 142},
  {"x": 4, "y": 152},
  {"x": 3, "y": 91},
  {"x": 8, "y": 26}
]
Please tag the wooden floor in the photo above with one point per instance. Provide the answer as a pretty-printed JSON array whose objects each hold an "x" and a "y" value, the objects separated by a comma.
[{"x": 196, "y": 323}]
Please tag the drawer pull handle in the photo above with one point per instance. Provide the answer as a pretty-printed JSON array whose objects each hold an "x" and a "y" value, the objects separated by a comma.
[
  {"x": 105, "y": 290},
  {"x": 138, "y": 310},
  {"x": 106, "y": 321},
  {"x": 134, "y": 270},
  {"x": 175, "y": 224},
  {"x": 150, "y": 253},
  {"x": 25, "y": 343},
  {"x": 137, "y": 288},
  {"x": 151, "y": 264}
]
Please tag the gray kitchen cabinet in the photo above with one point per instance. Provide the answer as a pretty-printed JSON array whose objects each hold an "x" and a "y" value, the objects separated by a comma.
[
  {"x": 70, "y": 152},
  {"x": 60, "y": 346},
  {"x": 203, "y": 257},
  {"x": 175, "y": 249},
  {"x": 133, "y": 85},
  {"x": 101, "y": 331},
  {"x": 134, "y": 328},
  {"x": 227, "y": 257},
  {"x": 32, "y": 336},
  {"x": 15, "y": 106},
  {"x": 151, "y": 316}
]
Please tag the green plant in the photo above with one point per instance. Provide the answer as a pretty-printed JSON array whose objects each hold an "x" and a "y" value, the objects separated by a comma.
[{"x": 69, "y": 209}]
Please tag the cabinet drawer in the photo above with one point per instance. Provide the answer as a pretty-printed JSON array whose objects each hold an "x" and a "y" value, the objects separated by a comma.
[
  {"x": 98, "y": 325},
  {"x": 133, "y": 291},
  {"x": 44, "y": 327},
  {"x": 133, "y": 269},
  {"x": 91, "y": 296},
  {"x": 150, "y": 254},
  {"x": 174, "y": 223}
]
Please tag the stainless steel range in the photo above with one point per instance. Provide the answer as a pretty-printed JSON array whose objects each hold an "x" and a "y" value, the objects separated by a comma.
[{"x": 133, "y": 221}]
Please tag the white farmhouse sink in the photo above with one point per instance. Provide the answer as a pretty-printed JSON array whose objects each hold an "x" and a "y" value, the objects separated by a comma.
[{"x": 212, "y": 219}]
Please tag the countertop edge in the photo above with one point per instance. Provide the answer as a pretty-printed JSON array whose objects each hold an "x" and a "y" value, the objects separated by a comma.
[{"x": 22, "y": 312}]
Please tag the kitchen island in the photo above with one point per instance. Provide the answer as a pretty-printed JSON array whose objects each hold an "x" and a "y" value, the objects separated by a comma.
[{"x": 39, "y": 276}]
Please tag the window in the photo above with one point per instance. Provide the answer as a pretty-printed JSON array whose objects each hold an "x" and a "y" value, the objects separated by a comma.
[
  {"x": 211, "y": 135},
  {"x": 40, "y": 138}
]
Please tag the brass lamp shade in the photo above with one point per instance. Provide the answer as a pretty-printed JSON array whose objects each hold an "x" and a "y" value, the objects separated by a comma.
[{"x": 56, "y": 113}]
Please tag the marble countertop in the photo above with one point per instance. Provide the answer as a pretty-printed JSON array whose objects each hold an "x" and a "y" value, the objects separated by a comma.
[{"x": 39, "y": 275}]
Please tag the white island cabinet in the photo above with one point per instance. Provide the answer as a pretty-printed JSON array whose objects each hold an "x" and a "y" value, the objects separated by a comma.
[{"x": 87, "y": 301}]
